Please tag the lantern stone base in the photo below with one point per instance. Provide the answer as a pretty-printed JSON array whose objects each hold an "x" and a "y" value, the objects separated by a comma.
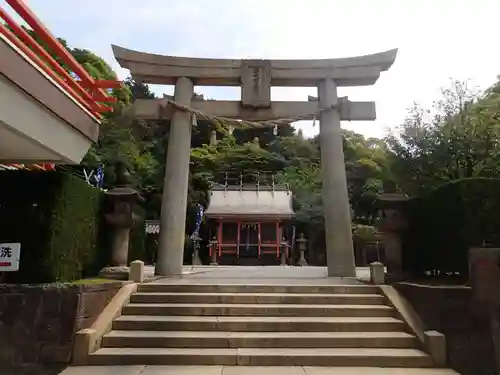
[
  {"x": 302, "y": 260},
  {"x": 115, "y": 273},
  {"x": 196, "y": 259}
]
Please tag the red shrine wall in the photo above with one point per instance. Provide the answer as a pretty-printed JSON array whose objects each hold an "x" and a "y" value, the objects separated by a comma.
[{"x": 249, "y": 239}]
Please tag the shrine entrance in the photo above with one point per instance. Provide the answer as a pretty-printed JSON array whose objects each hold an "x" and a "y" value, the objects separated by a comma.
[
  {"x": 248, "y": 223},
  {"x": 249, "y": 240},
  {"x": 255, "y": 109}
]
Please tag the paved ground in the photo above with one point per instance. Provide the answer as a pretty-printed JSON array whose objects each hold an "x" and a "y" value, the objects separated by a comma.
[
  {"x": 259, "y": 275},
  {"x": 250, "y": 370}
]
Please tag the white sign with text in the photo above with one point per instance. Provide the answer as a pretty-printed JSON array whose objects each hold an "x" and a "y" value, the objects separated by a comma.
[{"x": 10, "y": 254}]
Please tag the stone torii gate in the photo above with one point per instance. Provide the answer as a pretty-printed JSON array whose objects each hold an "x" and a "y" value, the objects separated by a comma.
[{"x": 256, "y": 77}]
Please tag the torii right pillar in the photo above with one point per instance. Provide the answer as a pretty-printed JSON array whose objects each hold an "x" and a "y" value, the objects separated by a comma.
[{"x": 339, "y": 246}]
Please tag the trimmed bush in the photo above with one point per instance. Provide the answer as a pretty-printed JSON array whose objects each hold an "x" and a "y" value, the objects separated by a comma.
[
  {"x": 445, "y": 223},
  {"x": 55, "y": 217}
]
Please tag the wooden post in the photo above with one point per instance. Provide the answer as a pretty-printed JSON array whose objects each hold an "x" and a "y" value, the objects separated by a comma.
[
  {"x": 258, "y": 236},
  {"x": 238, "y": 241},
  {"x": 278, "y": 238},
  {"x": 220, "y": 237}
]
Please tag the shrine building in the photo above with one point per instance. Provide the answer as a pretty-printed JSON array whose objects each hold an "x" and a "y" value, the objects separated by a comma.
[{"x": 249, "y": 223}]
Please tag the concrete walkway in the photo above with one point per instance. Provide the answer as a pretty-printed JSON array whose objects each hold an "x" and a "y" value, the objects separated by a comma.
[
  {"x": 250, "y": 370},
  {"x": 259, "y": 275}
]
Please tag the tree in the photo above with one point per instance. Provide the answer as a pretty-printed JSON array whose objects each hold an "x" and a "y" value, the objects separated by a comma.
[{"x": 457, "y": 138}]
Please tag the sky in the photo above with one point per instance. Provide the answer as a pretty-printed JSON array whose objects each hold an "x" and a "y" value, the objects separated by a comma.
[{"x": 437, "y": 40}]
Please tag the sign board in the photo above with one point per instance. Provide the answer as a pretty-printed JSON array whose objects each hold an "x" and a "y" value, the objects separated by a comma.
[{"x": 10, "y": 254}]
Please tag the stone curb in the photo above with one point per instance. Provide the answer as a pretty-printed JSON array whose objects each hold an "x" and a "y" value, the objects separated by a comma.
[{"x": 88, "y": 340}]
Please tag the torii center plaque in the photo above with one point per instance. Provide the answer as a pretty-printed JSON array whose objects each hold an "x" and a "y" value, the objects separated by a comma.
[{"x": 256, "y": 77}]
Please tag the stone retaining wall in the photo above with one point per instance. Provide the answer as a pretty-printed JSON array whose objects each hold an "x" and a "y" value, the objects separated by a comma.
[
  {"x": 38, "y": 322},
  {"x": 466, "y": 324}
]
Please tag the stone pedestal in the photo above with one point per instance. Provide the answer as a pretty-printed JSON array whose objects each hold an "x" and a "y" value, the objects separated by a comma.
[
  {"x": 377, "y": 273},
  {"x": 196, "y": 261},
  {"x": 137, "y": 271},
  {"x": 435, "y": 344},
  {"x": 302, "y": 245},
  {"x": 175, "y": 188},
  {"x": 213, "y": 251},
  {"x": 392, "y": 222},
  {"x": 120, "y": 247},
  {"x": 339, "y": 246},
  {"x": 115, "y": 273}
]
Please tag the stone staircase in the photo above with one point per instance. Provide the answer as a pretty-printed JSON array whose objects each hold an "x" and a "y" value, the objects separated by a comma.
[{"x": 260, "y": 325}]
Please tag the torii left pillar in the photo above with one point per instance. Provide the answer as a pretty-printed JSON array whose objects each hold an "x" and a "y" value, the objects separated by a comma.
[{"x": 175, "y": 187}]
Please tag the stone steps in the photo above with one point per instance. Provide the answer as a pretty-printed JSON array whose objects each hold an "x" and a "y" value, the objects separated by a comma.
[
  {"x": 264, "y": 357},
  {"x": 194, "y": 309},
  {"x": 254, "y": 324},
  {"x": 258, "y": 288},
  {"x": 266, "y": 325},
  {"x": 219, "y": 339},
  {"x": 263, "y": 298}
]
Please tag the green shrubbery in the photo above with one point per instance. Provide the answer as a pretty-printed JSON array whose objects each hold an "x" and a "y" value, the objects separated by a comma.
[
  {"x": 445, "y": 223},
  {"x": 55, "y": 217}
]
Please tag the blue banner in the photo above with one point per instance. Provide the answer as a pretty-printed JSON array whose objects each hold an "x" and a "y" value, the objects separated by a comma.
[
  {"x": 99, "y": 177},
  {"x": 199, "y": 219}
]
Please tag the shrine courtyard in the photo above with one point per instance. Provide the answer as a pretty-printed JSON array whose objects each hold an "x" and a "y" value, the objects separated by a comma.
[{"x": 259, "y": 275}]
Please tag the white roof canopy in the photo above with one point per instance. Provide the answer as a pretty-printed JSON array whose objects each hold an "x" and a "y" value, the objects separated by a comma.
[{"x": 250, "y": 203}]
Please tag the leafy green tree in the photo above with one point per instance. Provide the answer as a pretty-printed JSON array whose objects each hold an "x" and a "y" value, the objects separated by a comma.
[{"x": 457, "y": 138}]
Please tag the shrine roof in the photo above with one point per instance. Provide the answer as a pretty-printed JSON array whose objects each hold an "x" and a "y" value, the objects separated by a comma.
[{"x": 246, "y": 202}]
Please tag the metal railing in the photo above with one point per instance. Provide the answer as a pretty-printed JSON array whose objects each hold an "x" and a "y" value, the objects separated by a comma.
[{"x": 68, "y": 73}]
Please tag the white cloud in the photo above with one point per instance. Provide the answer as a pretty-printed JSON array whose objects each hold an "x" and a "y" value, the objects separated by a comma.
[{"x": 437, "y": 40}]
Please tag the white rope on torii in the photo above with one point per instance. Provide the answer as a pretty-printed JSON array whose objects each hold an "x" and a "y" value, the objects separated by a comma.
[{"x": 245, "y": 124}]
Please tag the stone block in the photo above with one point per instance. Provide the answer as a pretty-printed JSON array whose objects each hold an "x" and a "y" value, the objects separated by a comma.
[
  {"x": 51, "y": 303},
  {"x": 82, "y": 346},
  {"x": 38, "y": 322},
  {"x": 435, "y": 344},
  {"x": 49, "y": 330},
  {"x": 56, "y": 353},
  {"x": 377, "y": 273},
  {"x": 136, "y": 271},
  {"x": 115, "y": 273},
  {"x": 484, "y": 273},
  {"x": 256, "y": 83}
]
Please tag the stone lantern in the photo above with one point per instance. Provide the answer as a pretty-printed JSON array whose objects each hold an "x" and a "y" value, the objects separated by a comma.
[
  {"x": 122, "y": 218},
  {"x": 196, "y": 261},
  {"x": 302, "y": 244},
  {"x": 391, "y": 223},
  {"x": 213, "y": 251}
]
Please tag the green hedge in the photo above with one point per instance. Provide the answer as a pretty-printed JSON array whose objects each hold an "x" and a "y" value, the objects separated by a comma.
[
  {"x": 445, "y": 223},
  {"x": 55, "y": 218}
]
